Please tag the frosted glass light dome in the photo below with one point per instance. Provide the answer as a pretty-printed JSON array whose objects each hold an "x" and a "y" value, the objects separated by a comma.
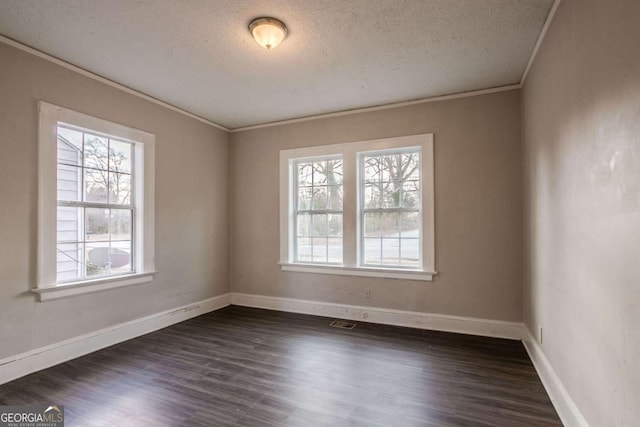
[{"x": 268, "y": 32}]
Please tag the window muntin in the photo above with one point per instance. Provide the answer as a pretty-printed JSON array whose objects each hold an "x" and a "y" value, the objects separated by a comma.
[
  {"x": 95, "y": 199},
  {"x": 141, "y": 169},
  {"x": 412, "y": 202},
  {"x": 318, "y": 210},
  {"x": 390, "y": 209}
]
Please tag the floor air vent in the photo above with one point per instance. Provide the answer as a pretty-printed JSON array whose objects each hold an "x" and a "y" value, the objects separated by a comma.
[{"x": 342, "y": 324}]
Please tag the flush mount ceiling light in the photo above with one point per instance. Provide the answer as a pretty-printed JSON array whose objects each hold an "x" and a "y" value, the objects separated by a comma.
[{"x": 268, "y": 32}]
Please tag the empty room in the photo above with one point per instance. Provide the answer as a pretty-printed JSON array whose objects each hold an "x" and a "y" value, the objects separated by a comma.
[{"x": 319, "y": 213}]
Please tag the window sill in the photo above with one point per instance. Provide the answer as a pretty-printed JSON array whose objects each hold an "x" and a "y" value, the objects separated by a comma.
[
  {"x": 67, "y": 290},
  {"x": 362, "y": 271}
]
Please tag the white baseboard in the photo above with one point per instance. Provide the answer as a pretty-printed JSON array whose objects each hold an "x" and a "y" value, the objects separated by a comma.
[
  {"x": 564, "y": 405},
  {"x": 26, "y": 363},
  {"x": 411, "y": 319},
  {"x": 23, "y": 364},
  {"x": 562, "y": 401}
]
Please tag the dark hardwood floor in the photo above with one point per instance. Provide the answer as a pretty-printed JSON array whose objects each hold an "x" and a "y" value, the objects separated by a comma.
[{"x": 248, "y": 367}]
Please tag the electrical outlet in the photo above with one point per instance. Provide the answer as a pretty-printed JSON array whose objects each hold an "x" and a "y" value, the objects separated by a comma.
[{"x": 367, "y": 293}]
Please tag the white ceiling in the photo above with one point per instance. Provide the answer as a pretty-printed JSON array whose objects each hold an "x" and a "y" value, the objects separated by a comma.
[{"x": 198, "y": 54}]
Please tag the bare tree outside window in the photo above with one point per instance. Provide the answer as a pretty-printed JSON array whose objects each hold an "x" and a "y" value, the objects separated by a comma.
[
  {"x": 385, "y": 224},
  {"x": 319, "y": 213},
  {"x": 95, "y": 211},
  {"x": 391, "y": 209}
]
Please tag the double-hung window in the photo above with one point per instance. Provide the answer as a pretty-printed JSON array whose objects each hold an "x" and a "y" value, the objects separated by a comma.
[
  {"x": 95, "y": 204},
  {"x": 390, "y": 208},
  {"x": 363, "y": 208},
  {"x": 318, "y": 210}
]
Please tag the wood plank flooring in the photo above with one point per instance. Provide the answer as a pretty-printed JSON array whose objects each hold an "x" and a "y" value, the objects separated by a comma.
[{"x": 247, "y": 367}]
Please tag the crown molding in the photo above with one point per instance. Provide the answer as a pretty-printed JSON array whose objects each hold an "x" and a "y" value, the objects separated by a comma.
[
  {"x": 380, "y": 107},
  {"x": 543, "y": 33},
  {"x": 104, "y": 80},
  {"x": 142, "y": 95},
  {"x": 534, "y": 52}
]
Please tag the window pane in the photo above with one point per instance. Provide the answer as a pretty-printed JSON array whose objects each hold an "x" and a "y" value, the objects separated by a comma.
[
  {"x": 392, "y": 166},
  {"x": 120, "y": 257},
  {"x": 410, "y": 252},
  {"x": 410, "y": 185},
  {"x": 119, "y": 188},
  {"x": 96, "y": 224},
  {"x": 304, "y": 225},
  {"x": 391, "y": 181},
  {"x": 320, "y": 199},
  {"x": 94, "y": 191},
  {"x": 372, "y": 251},
  {"x": 372, "y": 197},
  {"x": 97, "y": 258},
  {"x": 119, "y": 156},
  {"x": 334, "y": 197},
  {"x": 372, "y": 225},
  {"x": 95, "y": 152},
  {"x": 391, "y": 252},
  {"x": 102, "y": 259},
  {"x": 334, "y": 172},
  {"x": 335, "y": 250},
  {"x": 69, "y": 224},
  {"x": 411, "y": 166},
  {"x": 389, "y": 167},
  {"x": 70, "y": 137},
  {"x": 335, "y": 225},
  {"x": 319, "y": 249},
  {"x": 305, "y": 172},
  {"x": 120, "y": 224},
  {"x": 319, "y": 188},
  {"x": 391, "y": 194},
  {"x": 390, "y": 224},
  {"x": 372, "y": 167},
  {"x": 410, "y": 224},
  {"x": 304, "y": 249},
  {"x": 96, "y": 185},
  {"x": 319, "y": 226},
  {"x": 320, "y": 173},
  {"x": 304, "y": 198},
  {"x": 69, "y": 265},
  {"x": 69, "y": 153},
  {"x": 69, "y": 182},
  {"x": 410, "y": 195}
]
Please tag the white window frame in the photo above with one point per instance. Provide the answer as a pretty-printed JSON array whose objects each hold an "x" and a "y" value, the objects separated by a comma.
[
  {"x": 295, "y": 163},
  {"x": 144, "y": 219},
  {"x": 362, "y": 210},
  {"x": 351, "y": 210}
]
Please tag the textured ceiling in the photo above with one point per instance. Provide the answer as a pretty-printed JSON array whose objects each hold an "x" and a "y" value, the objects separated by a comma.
[{"x": 198, "y": 54}]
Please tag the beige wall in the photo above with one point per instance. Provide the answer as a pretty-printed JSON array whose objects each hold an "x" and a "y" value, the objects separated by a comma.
[
  {"x": 191, "y": 206},
  {"x": 581, "y": 132},
  {"x": 478, "y": 208},
  {"x": 581, "y": 127}
]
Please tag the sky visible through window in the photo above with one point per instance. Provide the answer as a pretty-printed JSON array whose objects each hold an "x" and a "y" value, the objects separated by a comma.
[
  {"x": 95, "y": 209},
  {"x": 391, "y": 214},
  {"x": 319, "y": 211}
]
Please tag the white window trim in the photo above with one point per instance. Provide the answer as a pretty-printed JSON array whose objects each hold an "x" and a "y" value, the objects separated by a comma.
[
  {"x": 387, "y": 273},
  {"x": 144, "y": 257},
  {"x": 294, "y": 190},
  {"x": 349, "y": 152}
]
